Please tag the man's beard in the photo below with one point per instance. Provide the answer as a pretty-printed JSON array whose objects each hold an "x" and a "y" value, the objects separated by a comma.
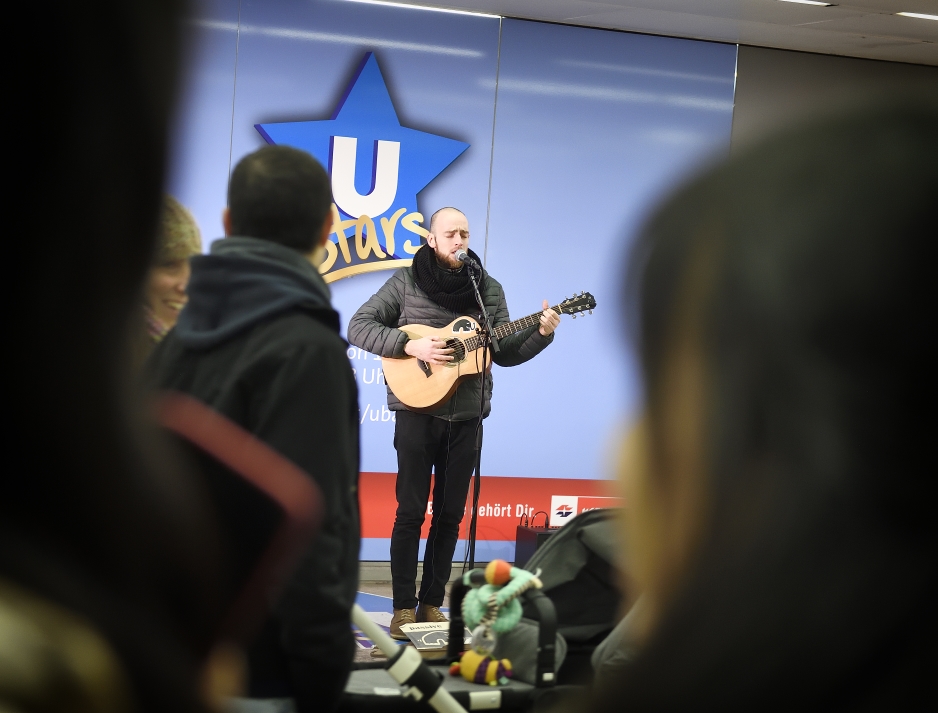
[{"x": 447, "y": 261}]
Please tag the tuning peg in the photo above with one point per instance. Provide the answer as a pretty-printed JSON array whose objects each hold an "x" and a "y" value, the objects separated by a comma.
[
  {"x": 591, "y": 311},
  {"x": 574, "y": 315}
]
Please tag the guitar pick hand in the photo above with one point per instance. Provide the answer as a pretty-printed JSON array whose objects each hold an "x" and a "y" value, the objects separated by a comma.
[{"x": 432, "y": 350}]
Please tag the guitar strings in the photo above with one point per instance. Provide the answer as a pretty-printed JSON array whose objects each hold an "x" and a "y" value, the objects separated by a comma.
[{"x": 461, "y": 347}]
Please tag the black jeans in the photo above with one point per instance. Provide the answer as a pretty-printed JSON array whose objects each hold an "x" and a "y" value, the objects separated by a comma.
[{"x": 448, "y": 448}]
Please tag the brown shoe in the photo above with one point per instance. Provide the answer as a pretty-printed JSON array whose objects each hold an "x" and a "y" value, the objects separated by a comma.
[
  {"x": 401, "y": 616},
  {"x": 426, "y": 612}
]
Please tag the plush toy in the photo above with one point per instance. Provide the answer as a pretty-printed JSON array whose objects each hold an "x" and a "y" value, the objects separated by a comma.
[
  {"x": 481, "y": 668},
  {"x": 490, "y": 608}
]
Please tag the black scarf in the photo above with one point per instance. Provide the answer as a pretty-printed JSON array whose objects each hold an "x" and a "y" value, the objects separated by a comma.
[{"x": 450, "y": 289}]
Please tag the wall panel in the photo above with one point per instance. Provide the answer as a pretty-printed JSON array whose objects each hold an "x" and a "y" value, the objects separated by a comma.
[
  {"x": 590, "y": 128},
  {"x": 776, "y": 88}
]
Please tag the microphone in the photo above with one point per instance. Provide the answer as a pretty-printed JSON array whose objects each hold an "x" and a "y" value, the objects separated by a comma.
[{"x": 463, "y": 256}]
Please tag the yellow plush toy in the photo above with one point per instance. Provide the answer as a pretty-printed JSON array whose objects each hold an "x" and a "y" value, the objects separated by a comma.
[{"x": 476, "y": 667}]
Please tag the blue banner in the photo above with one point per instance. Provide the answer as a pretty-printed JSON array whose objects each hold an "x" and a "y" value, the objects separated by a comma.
[{"x": 554, "y": 141}]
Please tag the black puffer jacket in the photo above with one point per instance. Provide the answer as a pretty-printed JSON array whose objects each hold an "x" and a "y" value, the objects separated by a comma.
[
  {"x": 259, "y": 343},
  {"x": 400, "y": 302}
]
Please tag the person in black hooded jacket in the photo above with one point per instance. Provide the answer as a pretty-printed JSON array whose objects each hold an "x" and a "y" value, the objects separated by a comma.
[{"x": 259, "y": 342}]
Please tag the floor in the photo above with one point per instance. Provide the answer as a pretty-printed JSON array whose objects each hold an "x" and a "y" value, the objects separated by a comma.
[
  {"x": 375, "y": 599},
  {"x": 374, "y": 596},
  {"x": 379, "y": 589}
]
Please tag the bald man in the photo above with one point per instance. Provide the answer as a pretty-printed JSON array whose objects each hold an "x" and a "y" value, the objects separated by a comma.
[{"x": 434, "y": 291}]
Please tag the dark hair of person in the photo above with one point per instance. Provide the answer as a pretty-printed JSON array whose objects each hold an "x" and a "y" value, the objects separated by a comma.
[
  {"x": 815, "y": 579},
  {"x": 280, "y": 194},
  {"x": 93, "y": 517}
]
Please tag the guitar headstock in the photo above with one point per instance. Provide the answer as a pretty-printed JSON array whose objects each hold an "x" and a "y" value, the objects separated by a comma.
[{"x": 578, "y": 304}]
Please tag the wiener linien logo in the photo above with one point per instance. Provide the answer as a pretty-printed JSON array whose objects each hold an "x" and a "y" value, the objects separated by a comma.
[{"x": 377, "y": 169}]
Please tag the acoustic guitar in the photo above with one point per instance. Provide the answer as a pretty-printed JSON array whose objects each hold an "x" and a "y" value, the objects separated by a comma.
[{"x": 424, "y": 387}]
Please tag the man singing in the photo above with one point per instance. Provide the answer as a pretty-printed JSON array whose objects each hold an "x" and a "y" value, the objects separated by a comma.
[{"x": 434, "y": 291}]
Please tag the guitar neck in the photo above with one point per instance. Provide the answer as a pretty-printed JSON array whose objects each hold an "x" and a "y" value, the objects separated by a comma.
[{"x": 510, "y": 328}]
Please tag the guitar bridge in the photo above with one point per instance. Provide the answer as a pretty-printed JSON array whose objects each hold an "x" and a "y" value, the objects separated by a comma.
[{"x": 425, "y": 368}]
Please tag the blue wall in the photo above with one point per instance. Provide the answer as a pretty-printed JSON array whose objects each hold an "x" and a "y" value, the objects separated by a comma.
[
  {"x": 573, "y": 135},
  {"x": 592, "y": 126}
]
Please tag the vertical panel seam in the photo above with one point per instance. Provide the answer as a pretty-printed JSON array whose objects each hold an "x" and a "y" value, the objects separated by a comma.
[
  {"x": 488, "y": 199},
  {"x": 234, "y": 95},
  {"x": 735, "y": 80}
]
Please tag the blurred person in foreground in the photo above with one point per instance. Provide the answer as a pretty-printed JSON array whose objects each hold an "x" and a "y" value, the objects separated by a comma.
[
  {"x": 259, "y": 343},
  {"x": 107, "y": 593},
  {"x": 778, "y": 526},
  {"x": 165, "y": 293}
]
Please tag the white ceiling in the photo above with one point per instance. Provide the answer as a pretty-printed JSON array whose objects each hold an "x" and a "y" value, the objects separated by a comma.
[{"x": 854, "y": 28}]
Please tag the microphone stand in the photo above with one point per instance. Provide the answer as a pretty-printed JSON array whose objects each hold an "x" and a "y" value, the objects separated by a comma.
[
  {"x": 487, "y": 339},
  {"x": 488, "y": 332}
]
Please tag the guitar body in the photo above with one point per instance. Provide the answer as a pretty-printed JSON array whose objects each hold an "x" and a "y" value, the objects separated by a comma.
[{"x": 425, "y": 387}]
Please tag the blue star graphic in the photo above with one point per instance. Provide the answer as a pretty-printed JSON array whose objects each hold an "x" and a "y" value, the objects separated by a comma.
[{"x": 366, "y": 114}]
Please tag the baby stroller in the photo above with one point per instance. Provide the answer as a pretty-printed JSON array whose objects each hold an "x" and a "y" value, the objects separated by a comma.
[
  {"x": 408, "y": 682},
  {"x": 578, "y": 572}
]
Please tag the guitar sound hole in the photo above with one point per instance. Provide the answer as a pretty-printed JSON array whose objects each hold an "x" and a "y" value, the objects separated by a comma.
[{"x": 459, "y": 349}]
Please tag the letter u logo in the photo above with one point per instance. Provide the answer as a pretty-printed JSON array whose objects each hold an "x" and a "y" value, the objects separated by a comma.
[{"x": 383, "y": 177}]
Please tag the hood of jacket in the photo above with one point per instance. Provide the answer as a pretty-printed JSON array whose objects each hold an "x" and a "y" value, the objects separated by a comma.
[{"x": 245, "y": 281}]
